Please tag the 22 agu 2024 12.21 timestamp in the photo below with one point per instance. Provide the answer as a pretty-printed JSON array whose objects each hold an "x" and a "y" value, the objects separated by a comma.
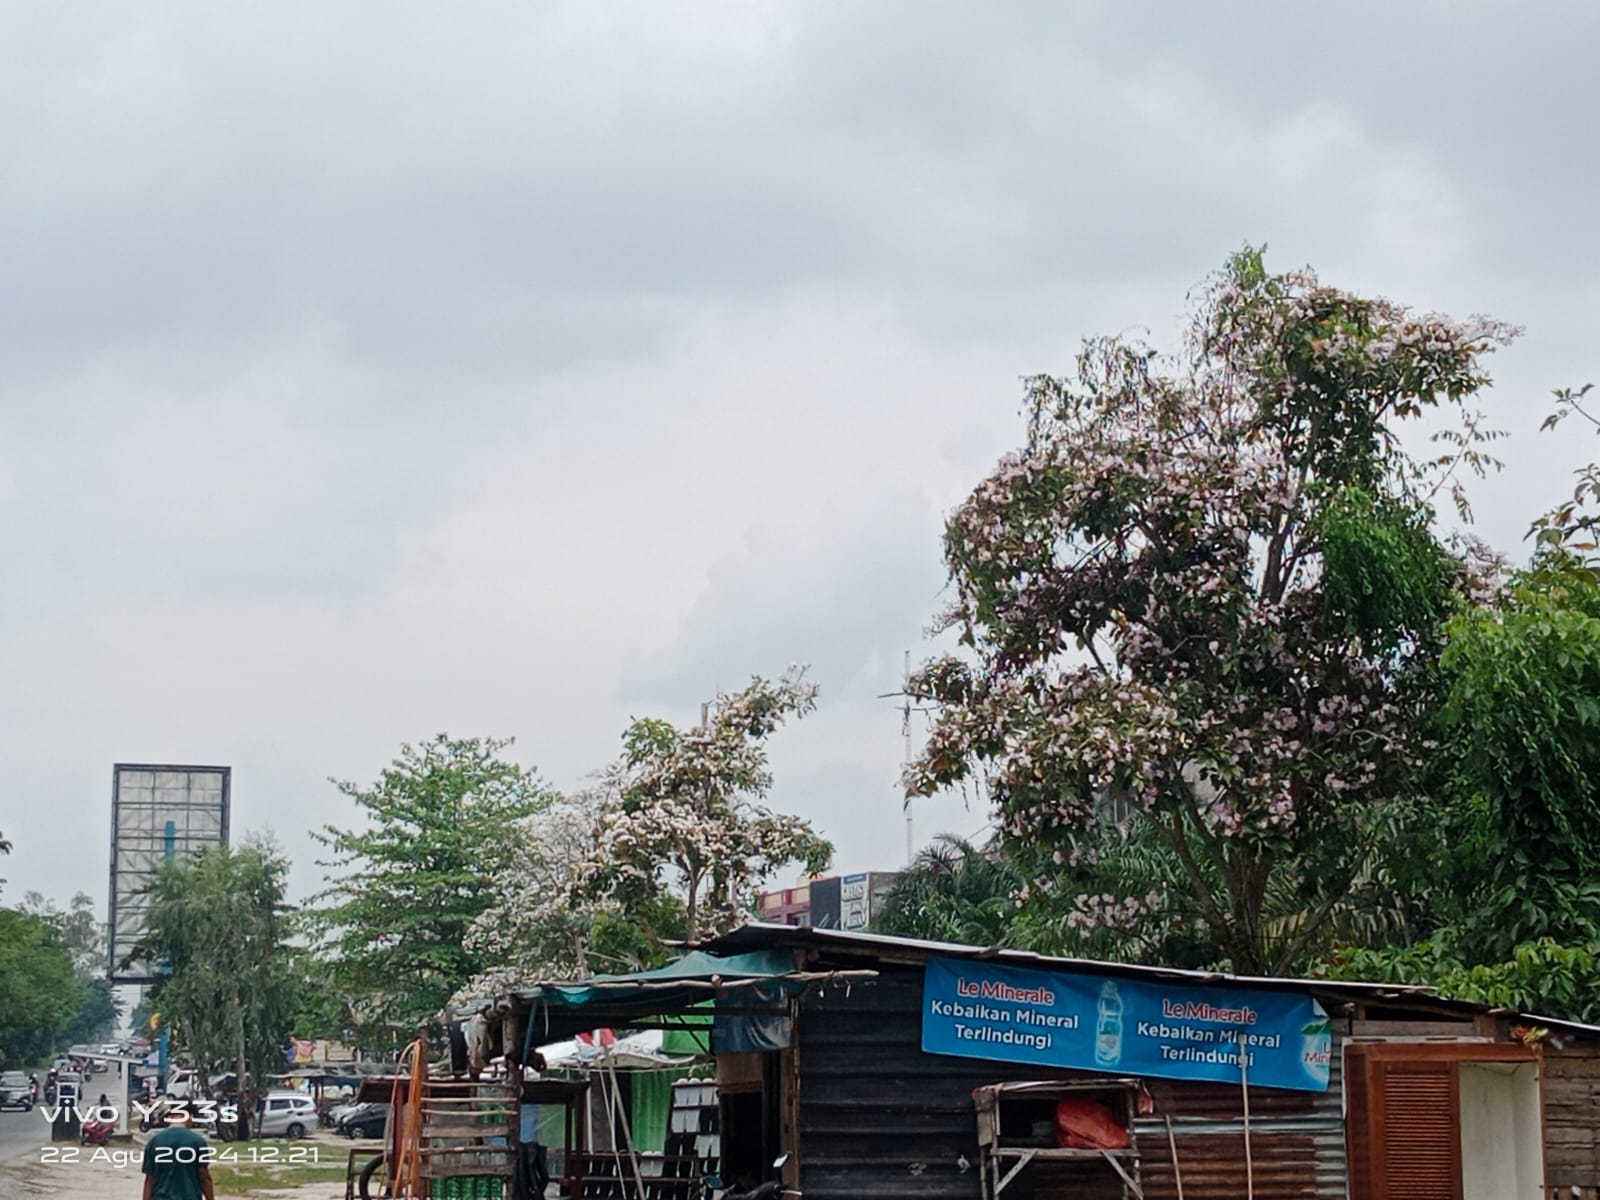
[{"x": 183, "y": 1154}]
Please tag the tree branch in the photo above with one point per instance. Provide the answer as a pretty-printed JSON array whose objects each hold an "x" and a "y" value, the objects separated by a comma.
[{"x": 1180, "y": 844}]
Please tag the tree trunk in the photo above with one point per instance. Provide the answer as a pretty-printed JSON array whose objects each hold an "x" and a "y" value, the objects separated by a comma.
[{"x": 692, "y": 907}]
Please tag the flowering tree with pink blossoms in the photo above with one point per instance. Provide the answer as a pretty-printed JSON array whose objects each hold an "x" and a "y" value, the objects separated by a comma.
[
  {"x": 1205, "y": 594},
  {"x": 539, "y": 920},
  {"x": 682, "y": 811}
]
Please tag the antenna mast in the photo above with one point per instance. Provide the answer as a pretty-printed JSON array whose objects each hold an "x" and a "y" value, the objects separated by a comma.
[{"x": 905, "y": 730}]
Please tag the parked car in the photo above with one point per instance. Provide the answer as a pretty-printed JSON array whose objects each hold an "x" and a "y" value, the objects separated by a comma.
[
  {"x": 366, "y": 1121},
  {"x": 15, "y": 1091},
  {"x": 334, "y": 1117},
  {"x": 181, "y": 1085},
  {"x": 287, "y": 1114}
]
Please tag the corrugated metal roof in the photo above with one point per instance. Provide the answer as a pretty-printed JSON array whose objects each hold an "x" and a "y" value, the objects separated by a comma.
[
  {"x": 758, "y": 934},
  {"x": 1577, "y": 1027}
]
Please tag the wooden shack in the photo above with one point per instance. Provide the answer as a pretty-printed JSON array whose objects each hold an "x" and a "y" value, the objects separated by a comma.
[{"x": 832, "y": 1054}]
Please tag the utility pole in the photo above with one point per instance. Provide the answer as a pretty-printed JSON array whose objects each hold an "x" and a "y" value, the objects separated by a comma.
[
  {"x": 905, "y": 730},
  {"x": 904, "y": 695}
]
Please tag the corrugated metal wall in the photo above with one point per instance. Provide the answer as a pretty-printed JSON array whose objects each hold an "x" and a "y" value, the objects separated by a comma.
[
  {"x": 1296, "y": 1141},
  {"x": 1571, "y": 1099},
  {"x": 879, "y": 1118}
]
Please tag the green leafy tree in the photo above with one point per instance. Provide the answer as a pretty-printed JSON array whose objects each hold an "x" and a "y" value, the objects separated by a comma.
[
  {"x": 38, "y": 995},
  {"x": 1524, "y": 714},
  {"x": 79, "y": 928},
  {"x": 437, "y": 828},
  {"x": 81, "y": 933},
  {"x": 1206, "y": 585},
  {"x": 96, "y": 1017},
  {"x": 1516, "y": 900},
  {"x": 219, "y": 922},
  {"x": 955, "y": 891},
  {"x": 321, "y": 1010},
  {"x": 1385, "y": 901},
  {"x": 1571, "y": 527}
]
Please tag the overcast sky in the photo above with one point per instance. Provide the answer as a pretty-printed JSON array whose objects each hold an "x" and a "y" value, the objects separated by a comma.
[{"x": 370, "y": 370}]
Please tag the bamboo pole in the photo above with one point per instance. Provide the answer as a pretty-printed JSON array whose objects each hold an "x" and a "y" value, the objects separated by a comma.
[
  {"x": 619, "y": 1112},
  {"x": 1244, "y": 1089},
  {"x": 1172, "y": 1147}
]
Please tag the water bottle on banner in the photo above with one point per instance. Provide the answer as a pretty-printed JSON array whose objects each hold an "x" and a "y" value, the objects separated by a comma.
[{"x": 1108, "y": 1028}]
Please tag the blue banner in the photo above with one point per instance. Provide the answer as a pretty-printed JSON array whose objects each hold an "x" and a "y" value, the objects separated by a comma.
[{"x": 1125, "y": 1026}]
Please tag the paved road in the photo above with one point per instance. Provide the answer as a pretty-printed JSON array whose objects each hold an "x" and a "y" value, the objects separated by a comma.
[{"x": 22, "y": 1133}]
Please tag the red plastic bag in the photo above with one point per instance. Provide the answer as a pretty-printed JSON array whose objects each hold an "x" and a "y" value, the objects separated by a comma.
[{"x": 1088, "y": 1125}]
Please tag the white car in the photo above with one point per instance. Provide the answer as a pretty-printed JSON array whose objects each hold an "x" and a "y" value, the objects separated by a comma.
[
  {"x": 287, "y": 1114},
  {"x": 181, "y": 1085}
]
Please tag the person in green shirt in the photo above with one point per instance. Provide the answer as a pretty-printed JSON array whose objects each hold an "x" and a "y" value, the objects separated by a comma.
[{"x": 176, "y": 1162}]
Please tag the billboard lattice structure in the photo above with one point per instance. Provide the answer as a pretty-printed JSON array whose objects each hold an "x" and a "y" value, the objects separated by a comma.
[{"x": 157, "y": 813}]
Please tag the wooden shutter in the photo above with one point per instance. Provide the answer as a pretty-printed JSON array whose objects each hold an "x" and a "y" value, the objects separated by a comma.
[
  {"x": 1403, "y": 1128},
  {"x": 1419, "y": 1139}
]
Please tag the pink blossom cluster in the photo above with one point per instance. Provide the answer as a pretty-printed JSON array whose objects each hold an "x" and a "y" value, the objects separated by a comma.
[
  {"x": 1137, "y": 589},
  {"x": 681, "y": 810},
  {"x": 1115, "y": 914}
]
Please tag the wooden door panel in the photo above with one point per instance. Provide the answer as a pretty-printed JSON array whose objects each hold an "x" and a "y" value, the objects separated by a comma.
[
  {"x": 1403, "y": 1121},
  {"x": 1419, "y": 1133}
]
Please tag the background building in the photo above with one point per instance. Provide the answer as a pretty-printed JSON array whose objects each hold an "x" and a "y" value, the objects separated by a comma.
[{"x": 848, "y": 902}]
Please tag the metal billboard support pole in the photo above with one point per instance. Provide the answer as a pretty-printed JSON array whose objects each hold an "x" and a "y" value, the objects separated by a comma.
[
  {"x": 163, "y": 1045},
  {"x": 163, "y": 1037}
]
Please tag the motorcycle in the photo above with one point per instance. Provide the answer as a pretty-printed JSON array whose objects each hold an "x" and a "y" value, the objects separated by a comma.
[
  {"x": 766, "y": 1191},
  {"x": 95, "y": 1132}
]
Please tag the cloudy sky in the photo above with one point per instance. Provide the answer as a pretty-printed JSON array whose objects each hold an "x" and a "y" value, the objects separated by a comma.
[{"x": 515, "y": 368}]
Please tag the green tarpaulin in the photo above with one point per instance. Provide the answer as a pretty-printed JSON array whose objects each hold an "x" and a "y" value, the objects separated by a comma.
[
  {"x": 694, "y": 972},
  {"x": 672, "y": 993}
]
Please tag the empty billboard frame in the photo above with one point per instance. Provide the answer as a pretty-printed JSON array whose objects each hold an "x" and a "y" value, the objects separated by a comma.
[{"x": 157, "y": 813}]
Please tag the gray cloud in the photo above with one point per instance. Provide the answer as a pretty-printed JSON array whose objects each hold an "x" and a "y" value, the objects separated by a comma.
[{"x": 519, "y": 369}]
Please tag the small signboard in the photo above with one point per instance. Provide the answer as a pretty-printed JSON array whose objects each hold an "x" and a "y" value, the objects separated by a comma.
[
  {"x": 1125, "y": 1026},
  {"x": 855, "y": 905}
]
